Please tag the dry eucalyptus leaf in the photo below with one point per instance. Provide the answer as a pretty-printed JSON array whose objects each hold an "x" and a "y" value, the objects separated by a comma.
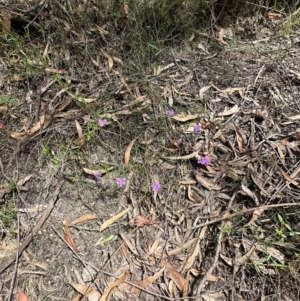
[
  {"x": 141, "y": 221},
  {"x": 239, "y": 139},
  {"x": 127, "y": 152},
  {"x": 202, "y": 91},
  {"x": 184, "y": 117},
  {"x": 112, "y": 220},
  {"x": 231, "y": 111},
  {"x": 147, "y": 281},
  {"x": 207, "y": 184}
]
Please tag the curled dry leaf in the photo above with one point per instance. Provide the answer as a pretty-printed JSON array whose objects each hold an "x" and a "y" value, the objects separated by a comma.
[
  {"x": 141, "y": 221},
  {"x": 128, "y": 151}
]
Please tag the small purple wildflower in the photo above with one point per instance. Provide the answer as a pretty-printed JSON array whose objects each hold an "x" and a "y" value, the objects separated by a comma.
[
  {"x": 170, "y": 112},
  {"x": 121, "y": 181},
  {"x": 197, "y": 128},
  {"x": 97, "y": 175},
  {"x": 102, "y": 122},
  {"x": 155, "y": 186},
  {"x": 204, "y": 160}
]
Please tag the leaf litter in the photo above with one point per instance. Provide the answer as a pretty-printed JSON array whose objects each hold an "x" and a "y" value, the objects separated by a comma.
[{"x": 150, "y": 240}]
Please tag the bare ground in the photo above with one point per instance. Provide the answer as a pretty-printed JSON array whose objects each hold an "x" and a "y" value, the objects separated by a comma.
[{"x": 216, "y": 233}]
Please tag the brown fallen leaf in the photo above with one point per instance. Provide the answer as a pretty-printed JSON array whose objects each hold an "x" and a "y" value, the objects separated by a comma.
[
  {"x": 83, "y": 219},
  {"x": 112, "y": 220},
  {"x": 184, "y": 117},
  {"x": 289, "y": 178},
  {"x": 173, "y": 274},
  {"x": 45, "y": 120},
  {"x": 274, "y": 16},
  {"x": 255, "y": 215},
  {"x": 187, "y": 157},
  {"x": 67, "y": 236},
  {"x": 231, "y": 111},
  {"x": 207, "y": 184},
  {"x": 70, "y": 242},
  {"x": 127, "y": 152},
  {"x": 23, "y": 181},
  {"x": 41, "y": 264},
  {"x": 109, "y": 59},
  {"x": 251, "y": 194},
  {"x": 147, "y": 281},
  {"x": 77, "y": 297},
  {"x": 190, "y": 262},
  {"x": 141, "y": 221},
  {"x": 81, "y": 288},
  {"x": 22, "y": 296},
  {"x": 202, "y": 91},
  {"x": 196, "y": 273},
  {"x": 93, "y": 171},
  {"x": 3, "y": 109},
  {"x": 191, "y": 195},
  {"x": 80, "y": 141},
  {"x": 112, "y": 286},
  {"x": 168, "y": 95},
  {"x": 239, "y": 139}
]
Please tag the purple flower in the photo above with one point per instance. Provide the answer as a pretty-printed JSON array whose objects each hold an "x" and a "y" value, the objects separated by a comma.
[
  {"x": 204, "y": 160},
  {"x": 155, "y": 186},
  {"x": 121, "y": 181},
  {"x": 170, "y": 112},
  {"x": 197, "y": 128},
  {"x": 102, "y": 122},
  {"x": 97, "y": 175}
]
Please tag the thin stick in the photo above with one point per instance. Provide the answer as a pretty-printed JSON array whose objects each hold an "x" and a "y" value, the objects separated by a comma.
[
  {"x": 13, "y": 281},
  {"x": 6, "y": 262},
  {"x": 210, "y": 270},
  {"x": 260, "y": 208}
]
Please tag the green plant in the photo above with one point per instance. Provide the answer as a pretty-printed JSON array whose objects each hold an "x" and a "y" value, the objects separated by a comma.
[
  {"x": 285, "y": 229},
  {"x": 7, "y": 217}
]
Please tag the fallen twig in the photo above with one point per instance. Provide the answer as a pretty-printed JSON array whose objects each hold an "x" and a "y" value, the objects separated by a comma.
[
  {"x": 6, "y": 262},
  {"x": 260, "y": 208}
]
